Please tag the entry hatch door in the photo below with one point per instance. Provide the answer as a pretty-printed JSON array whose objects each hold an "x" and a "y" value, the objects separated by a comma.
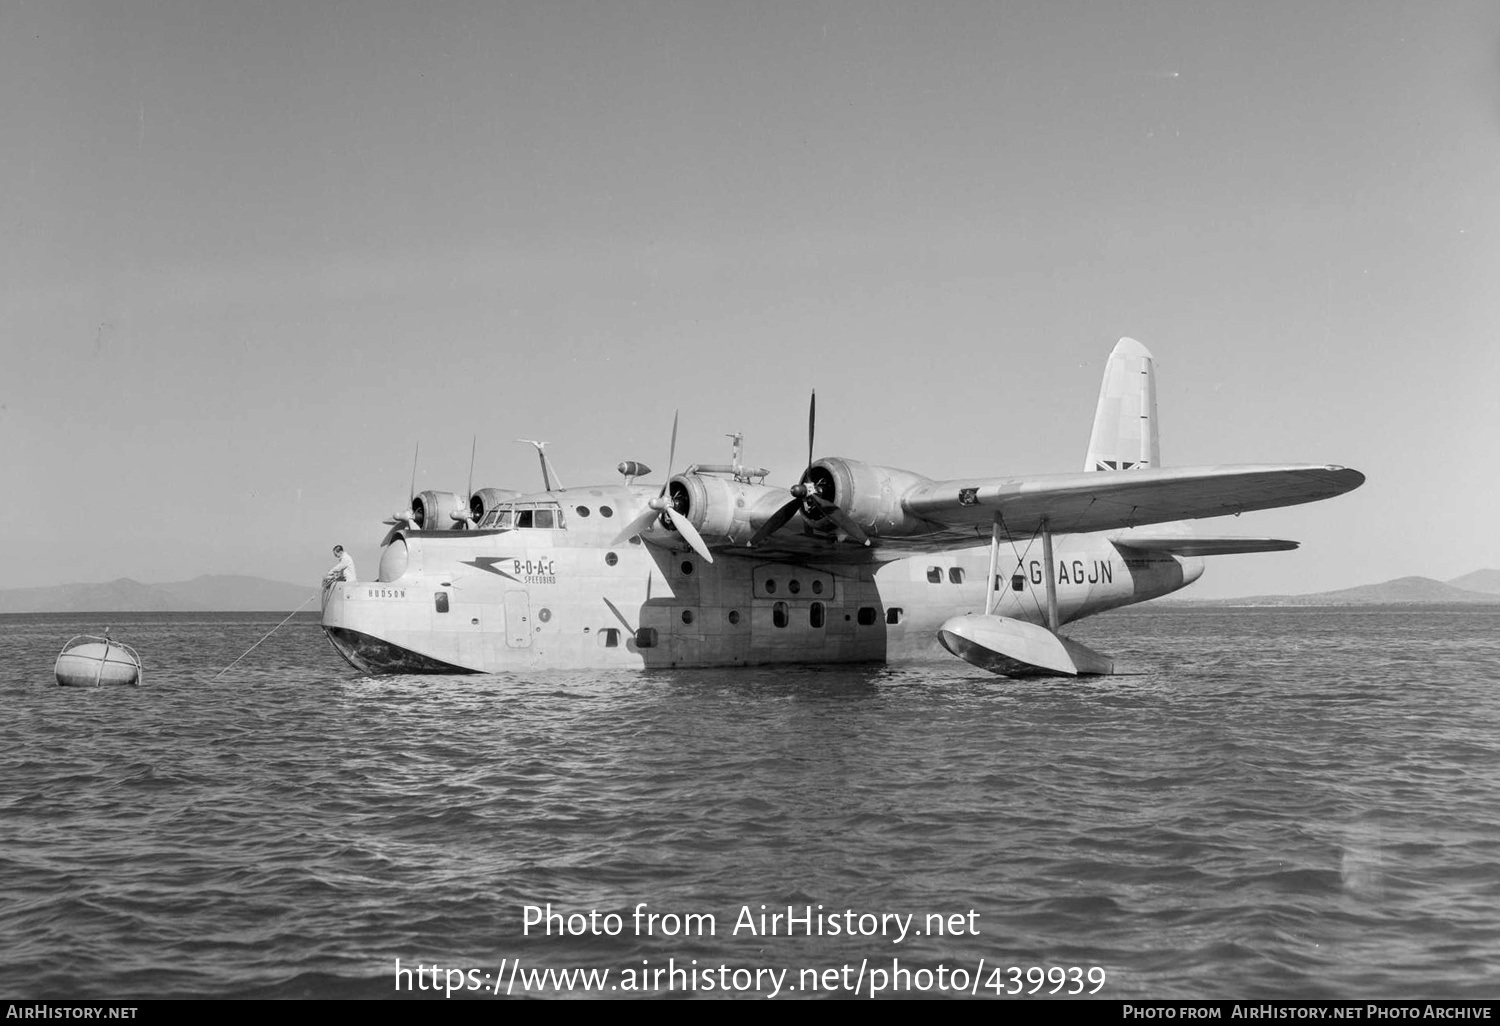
[{"x": 517, "y": 619}]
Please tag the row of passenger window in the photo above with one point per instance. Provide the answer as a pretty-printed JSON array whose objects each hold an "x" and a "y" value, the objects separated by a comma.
[
  {"x": 956, "y": 576},
  {"x": 781, "y": 616},
  {"x": 542, "y": 516},
  {"x": 793, "y": 586}
]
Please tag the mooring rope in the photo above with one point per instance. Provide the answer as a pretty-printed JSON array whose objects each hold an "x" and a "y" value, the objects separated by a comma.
[{"x": 273, "y": 630}]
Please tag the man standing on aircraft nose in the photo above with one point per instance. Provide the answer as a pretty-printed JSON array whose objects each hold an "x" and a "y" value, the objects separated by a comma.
[{"x": 343, "y": 570}]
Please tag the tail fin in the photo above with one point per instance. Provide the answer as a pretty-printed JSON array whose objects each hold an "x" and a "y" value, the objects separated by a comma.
[
  {"x": 1125, "y": 438},
  {"x": 1124, "y": 435}
]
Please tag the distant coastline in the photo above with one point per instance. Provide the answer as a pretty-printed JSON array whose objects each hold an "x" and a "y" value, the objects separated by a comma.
[
  {"x": 1482, "y": 587},
  {"x": 230, "y": 593},
  {"x": 218, "y": 593}
]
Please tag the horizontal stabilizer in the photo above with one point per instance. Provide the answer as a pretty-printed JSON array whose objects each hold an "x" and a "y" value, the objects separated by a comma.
[{"x": 1206, "y": 546}]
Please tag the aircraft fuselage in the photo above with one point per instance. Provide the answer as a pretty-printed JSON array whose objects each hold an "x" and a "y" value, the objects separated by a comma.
[{"x": 560, "y": 592}]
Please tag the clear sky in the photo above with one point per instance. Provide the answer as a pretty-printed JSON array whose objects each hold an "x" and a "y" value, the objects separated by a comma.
[{"x": 251, "y": 254}]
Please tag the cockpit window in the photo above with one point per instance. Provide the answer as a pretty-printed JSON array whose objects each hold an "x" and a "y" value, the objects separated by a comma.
[{"x": 525, "y": 516}]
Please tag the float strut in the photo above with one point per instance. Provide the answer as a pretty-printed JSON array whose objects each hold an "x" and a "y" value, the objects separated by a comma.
[
  {"x": 991, "y": 591},
  {"x": 1051, "y": 572}
]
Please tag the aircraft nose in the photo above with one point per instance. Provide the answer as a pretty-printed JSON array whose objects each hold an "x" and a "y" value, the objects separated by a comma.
[{"x": 335, "y": 610}]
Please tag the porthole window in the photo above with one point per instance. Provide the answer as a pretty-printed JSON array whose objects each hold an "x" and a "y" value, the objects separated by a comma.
[
  {"x": 605, "y": 511},
  {"x": 544, "y": 614},
  {"x": 582, "y": 511},
  {"x": 645, "y": 637},
  {"x": 934, "y": 575},
  {"x": 687, "y": 567},
  {"x": 780, "y": 614},
  {"x": 893, "y": 615},
  {"x": 770, "y": 587},
  {"x": 687, "y": 616},
  {"x": 610, "y": 559},
  {"x": 734, "y": 616},
  {"x": 794, "y": 586},
  {"x": 815, "y": 615},
  {"x": 956, "y": 574},
  {"x": 866, "y": 616},
  {"x": 817, "y": 587},
  {"x": 440, "y": 601}
]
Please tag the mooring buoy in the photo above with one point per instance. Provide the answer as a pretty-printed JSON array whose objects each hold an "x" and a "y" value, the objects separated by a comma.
[{"x": 89, "y": 662}]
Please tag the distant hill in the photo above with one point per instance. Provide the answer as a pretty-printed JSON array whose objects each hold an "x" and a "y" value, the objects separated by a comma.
[
  {"x": 211, "y": 592},
  {"x": 1480, "y": 580},
  {"x": 232, "y": 593},
  {"x": 121, "y": 596},
  {"x": 1401, "y": 591}
]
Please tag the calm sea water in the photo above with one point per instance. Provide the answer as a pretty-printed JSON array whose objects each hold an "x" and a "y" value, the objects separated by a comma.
[{"x": 1297, "y": 803}]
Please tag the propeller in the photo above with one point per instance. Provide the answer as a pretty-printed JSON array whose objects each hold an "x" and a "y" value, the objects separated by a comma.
[
  {"x": 621, "y": 616},
  {"x": 467, "y": 517},
  {"x": 805, "y": 495},
  {"x": 404, "y": 519},
  {"x": 799, "y": 491},
  {"x": 663, "y": 507},
  {"x": 832, "y": 511}
]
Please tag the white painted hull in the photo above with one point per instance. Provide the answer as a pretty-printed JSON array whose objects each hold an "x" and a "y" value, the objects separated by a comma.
[{"x": 465, "y": 602}]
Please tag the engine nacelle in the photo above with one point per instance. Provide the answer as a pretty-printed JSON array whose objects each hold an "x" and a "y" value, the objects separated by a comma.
[
  {"x": 723, "y": 509},
  {"x": 433, "y": 511},
  {"x": 486, "y": 499},
  {"x": 870, "y": 495}
]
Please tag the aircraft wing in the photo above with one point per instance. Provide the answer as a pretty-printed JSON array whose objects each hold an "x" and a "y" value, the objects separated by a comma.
[
  {"x": 1206, "y": 546},
  {"x": 1103, "y": 501}
]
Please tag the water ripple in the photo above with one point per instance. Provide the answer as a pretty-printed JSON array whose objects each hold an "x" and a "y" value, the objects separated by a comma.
[{"x": 1294, "y": 804}]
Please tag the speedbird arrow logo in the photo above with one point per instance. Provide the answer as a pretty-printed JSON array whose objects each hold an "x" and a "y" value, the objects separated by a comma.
[{"x": 487, "y": 563}]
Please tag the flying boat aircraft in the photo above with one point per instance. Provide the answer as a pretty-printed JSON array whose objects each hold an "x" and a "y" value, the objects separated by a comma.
[{"x": 855, "y": 562}]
